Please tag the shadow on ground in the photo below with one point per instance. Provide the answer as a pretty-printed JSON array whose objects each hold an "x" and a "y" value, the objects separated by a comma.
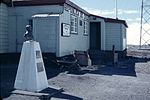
[
  {"x": 124, "y": 67},
  {"x": 57, "y": 94},
  {"x": 9, "y": 65}
]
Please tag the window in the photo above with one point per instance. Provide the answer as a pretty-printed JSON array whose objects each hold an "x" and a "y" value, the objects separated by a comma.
[
  {"x": 85, "y": 27},
  {"x": 80, "y": 22},
  {"x": 74, "y": 24}
]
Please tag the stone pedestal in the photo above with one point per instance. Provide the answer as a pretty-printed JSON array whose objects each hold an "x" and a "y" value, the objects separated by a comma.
[{"x": 31, "y": 74}]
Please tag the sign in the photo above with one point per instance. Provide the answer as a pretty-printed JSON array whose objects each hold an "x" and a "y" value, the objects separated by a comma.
[{"x": 65, "y": 29}]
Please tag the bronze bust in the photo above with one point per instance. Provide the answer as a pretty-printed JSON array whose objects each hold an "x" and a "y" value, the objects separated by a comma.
[{"x": 28, "y": 34}]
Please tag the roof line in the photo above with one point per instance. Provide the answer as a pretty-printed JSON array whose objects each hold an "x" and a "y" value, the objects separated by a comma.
[
  {"x": 46, "y": 2},
  {"x": 112, "y": 20}
]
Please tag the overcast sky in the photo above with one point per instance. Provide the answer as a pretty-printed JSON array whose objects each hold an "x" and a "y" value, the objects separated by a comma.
[{"x": 128, "y": 10}]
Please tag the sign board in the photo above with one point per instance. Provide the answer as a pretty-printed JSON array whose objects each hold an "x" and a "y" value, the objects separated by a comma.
[{"x": 65, "y": 29}]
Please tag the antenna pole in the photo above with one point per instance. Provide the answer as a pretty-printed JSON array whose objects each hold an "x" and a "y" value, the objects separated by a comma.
[
  {"x": 116, "y": 9},
  {"x": 141, "y": 24}
]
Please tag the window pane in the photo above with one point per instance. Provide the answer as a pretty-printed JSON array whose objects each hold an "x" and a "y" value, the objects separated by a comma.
[
  {"x": 75, "y": 29},
  {"x": 85, "y": 27},
  {"x": 74, "y": 24}
]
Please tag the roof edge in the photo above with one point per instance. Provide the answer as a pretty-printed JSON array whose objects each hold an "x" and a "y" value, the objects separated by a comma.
[
  {"x": 46, "y": 2},
  {"x": 112, "y": 20}
]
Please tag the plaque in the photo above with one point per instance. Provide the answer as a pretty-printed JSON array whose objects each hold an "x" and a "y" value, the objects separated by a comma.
[
  {"x": 40, "y": 67},
  {"x": 38, "y": 54}
]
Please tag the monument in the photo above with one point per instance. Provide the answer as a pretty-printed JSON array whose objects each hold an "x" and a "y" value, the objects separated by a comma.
[{"x": 31, "y": 75}]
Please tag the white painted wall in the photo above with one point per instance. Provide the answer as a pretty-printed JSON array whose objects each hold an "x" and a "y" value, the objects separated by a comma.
[
  {"x": 74, "y": 42},
  {"x": 45, "y": 31},
  {"x": 19, "y": 17},
  {"x": 124, "y": 37},
  {"x": 113, "y": 36}
]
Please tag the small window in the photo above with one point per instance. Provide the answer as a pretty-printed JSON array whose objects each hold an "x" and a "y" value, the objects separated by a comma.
[
  {"x": 74, "y": 24},
  {"x": 80, "y": 22},
  {"x": 85, "y": 27}
]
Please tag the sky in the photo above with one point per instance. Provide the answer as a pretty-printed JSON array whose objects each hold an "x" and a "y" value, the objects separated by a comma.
[{"x": 129, "y": 10}]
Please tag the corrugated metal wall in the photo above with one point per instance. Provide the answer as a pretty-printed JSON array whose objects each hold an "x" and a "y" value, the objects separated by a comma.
[{"x": 3, "y": 28}]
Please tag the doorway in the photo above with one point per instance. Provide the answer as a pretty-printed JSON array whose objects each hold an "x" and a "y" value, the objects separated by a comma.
[{"x": 95, "y": 35}]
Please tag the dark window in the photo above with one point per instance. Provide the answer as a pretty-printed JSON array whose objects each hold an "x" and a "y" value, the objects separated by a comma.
[{"x": 80, "y": 22}]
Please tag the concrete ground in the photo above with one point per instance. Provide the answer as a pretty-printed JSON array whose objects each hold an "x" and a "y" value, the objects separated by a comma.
[{"x": 129, "y": 80}]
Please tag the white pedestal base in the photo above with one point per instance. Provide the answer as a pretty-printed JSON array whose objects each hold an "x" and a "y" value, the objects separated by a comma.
[{"x": 31, "y": 74}]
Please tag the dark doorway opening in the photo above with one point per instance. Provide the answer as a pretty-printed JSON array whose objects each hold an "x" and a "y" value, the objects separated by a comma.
[{"x": 95, "y": 35}]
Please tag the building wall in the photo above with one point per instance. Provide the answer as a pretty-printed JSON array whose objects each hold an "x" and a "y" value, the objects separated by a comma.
[
  {"x": 19, "y": 17},
  {"x": 113, "y": 36},
  {"x": 92, "y": 19},
  {"x": 45, "y": 30},
  {"x": 75, "y": 41},
  {"x": 3, "y": 28},
  {"x": 111, "y": 33},
  {"x": 124, "y": 37}
]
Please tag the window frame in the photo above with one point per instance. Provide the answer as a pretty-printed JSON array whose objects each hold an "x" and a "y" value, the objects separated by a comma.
[
  {"x": 85, "y": 27},
  {"x": 73, "y": 24}
]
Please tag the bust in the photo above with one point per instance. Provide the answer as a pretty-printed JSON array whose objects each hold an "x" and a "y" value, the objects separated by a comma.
[{"x": 28, "y": 34}]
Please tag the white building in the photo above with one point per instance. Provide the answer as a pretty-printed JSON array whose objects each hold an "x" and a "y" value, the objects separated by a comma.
[
  {"x": 106, "y": 32},
  {"x": 61, "y": 27}
]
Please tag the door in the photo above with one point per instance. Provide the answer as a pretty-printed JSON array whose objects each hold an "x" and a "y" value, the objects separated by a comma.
[{"x": 95, "y": 35}]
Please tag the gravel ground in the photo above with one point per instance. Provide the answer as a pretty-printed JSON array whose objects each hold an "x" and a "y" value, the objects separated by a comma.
[
  {"x": 129, "y": 80},
  {"x": 91, "y": 86}
]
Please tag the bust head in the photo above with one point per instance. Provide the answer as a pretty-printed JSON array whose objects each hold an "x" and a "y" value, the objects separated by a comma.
[
  {"x": 28, "y": 27},
  {"x": 28, "y": 34}
]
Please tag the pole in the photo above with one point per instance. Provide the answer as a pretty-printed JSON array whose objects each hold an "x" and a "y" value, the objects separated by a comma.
[
  {"x": 116, "y": 10},
  {"x": 141, "y": 25}
]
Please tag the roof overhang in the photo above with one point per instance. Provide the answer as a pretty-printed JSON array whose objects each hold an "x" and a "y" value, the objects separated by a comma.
[{"x": 111, "y": 20}]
